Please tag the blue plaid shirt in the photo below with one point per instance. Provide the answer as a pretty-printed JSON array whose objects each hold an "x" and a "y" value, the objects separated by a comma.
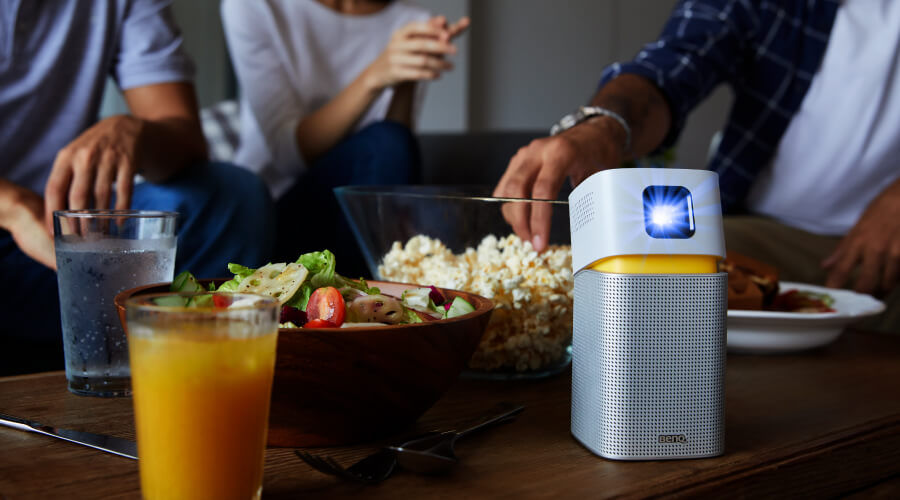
[{"x": 767, "y": 51}]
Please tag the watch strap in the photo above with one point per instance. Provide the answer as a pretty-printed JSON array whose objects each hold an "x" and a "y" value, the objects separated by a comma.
[{"x": 585, "y": 113}]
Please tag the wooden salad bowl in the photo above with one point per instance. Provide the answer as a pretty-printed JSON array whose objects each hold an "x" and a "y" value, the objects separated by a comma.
[{"x": 337, "y": 386}]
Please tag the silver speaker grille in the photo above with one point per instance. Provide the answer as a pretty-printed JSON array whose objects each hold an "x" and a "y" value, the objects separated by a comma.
[
  {"x": 648, "y": 364},
  {"x": 582, "y": 211}
]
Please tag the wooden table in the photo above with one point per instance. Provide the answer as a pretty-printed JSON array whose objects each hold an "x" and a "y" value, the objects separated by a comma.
[{"x": 820, "y": 423}]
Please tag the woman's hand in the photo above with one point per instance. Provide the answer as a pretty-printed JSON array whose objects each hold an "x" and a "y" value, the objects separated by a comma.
[{"x": 416, "y": 52}]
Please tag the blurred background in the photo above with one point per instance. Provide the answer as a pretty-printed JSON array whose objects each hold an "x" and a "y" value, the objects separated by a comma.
[{"x": 522, "y": 66}]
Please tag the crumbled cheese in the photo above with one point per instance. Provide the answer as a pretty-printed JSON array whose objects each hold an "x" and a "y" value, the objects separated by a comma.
[{"x": 531, "y": 326}]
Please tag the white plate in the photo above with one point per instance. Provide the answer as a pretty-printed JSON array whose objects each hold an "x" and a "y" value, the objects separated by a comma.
[{"x": 768, "y": 332}]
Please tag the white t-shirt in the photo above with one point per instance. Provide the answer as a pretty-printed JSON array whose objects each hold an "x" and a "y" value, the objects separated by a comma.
[
  {"x": 293, "y": 56},
  {"x": 842, "y": 148}
]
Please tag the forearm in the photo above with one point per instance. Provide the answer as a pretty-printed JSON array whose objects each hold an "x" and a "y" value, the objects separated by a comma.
[
  {"x": 321, "y": 130},
  {"x": 642, "y": 106},
  {"x": 167, "y": 146},
  {"x": 401, "y": 108},
  {"x": 9, "y": 205}
]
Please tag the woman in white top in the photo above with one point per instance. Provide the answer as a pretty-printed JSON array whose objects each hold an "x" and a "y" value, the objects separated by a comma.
[{"x": 329, "y": 92}]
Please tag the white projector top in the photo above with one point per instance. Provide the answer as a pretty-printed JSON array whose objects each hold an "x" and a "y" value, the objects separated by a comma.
[{"x": 645, "y": 211}]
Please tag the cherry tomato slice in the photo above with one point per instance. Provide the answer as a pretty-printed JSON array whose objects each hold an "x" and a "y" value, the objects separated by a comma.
[
  {"x": 221, "y": 301},
  {"x": 319, "y": 323},
  {"x": 326, "y": 303}
]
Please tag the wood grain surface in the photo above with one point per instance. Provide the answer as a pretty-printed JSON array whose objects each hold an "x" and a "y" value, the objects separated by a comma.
[{"x": 821, "y": 423}]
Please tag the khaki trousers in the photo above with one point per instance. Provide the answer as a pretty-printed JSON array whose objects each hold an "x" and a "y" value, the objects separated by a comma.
[{"x": 797, "y": 255}]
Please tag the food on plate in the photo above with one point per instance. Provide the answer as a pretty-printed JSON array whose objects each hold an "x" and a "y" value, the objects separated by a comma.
[
  {"x": 313, "y": 295},
  {"x": 531, "y": 326},
  {"x": 753, "y": 285},
  {"x": 802, "y": 301}
]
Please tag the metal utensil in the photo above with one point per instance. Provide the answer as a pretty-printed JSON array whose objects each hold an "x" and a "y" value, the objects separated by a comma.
[
  {"x": 372, "y": 469},
  {"x": 380, "y": 465},
  {"x": 109, "y": 444},
  {"x": 435, "y": 454}
]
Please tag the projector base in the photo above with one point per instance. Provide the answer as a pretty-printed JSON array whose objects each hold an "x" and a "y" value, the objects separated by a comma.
[{"x": 648, "y": 364}]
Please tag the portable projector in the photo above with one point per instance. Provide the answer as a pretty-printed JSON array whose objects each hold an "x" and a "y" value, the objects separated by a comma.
[{"x": 648, "y": 360}]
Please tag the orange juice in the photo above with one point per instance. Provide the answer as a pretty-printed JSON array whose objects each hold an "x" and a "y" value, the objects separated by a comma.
[{"x": 201, "y": 403}]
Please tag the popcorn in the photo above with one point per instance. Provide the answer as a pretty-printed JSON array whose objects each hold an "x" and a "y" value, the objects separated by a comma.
[{"x": 531, "y": 326}]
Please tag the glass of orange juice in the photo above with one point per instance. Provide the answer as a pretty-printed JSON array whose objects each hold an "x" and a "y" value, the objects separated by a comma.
[{"x": 201, "y": 369}]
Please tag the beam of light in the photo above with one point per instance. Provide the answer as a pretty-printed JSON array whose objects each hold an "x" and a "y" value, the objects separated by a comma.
[{"x": 662, "y": 215}]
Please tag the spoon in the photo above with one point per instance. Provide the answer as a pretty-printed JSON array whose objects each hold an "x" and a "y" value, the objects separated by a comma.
[{"x": 435, "y": 454}]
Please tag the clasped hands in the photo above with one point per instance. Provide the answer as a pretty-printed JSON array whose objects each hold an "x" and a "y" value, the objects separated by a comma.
[{"x": 416, "y": 52}]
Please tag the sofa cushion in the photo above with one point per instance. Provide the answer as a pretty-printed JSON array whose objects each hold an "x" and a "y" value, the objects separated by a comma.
[
  {"x": 447, "y": 158},
  {"x": 470, "y": 158}
]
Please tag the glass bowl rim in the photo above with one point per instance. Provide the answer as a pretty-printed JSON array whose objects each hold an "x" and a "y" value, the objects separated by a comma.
[
  {"x": 99, "y": 213},
  {"x": 410, "y": 193}
]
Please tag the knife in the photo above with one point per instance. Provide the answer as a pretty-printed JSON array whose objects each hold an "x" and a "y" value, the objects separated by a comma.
[{"x": 109, "y": 444}]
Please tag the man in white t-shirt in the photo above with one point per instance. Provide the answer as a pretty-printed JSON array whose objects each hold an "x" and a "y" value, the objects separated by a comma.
[{"x": 808, "y": 155}]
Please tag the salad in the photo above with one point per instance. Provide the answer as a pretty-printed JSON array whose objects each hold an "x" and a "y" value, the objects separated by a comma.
[{"x": 313, "y": 295}]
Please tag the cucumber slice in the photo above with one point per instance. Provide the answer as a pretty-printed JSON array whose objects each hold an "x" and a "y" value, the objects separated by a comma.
[
  {"x": 186, "y": 282},
  {"x": 171, "y": 301},
  {"x": 204, "y": 300},
  {"x": 458, "y": 307}
]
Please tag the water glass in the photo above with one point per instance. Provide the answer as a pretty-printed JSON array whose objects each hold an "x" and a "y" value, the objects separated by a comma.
[
  {"x": 99, "y": 253},
  {"x": 202, "y": 369}
]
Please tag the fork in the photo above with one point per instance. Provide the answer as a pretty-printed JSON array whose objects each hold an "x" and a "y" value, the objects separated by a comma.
[
  {"x": 371, "y": 470},
  {"x": 378, "y": 466}
]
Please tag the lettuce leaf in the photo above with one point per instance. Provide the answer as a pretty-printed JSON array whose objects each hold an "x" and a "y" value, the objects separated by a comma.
[
  {"x": 321, "y": 273},
  {"x": 240, "y": 272},
  {"x": 320, "y": 266},
  {"x": 301, "y": 298}
]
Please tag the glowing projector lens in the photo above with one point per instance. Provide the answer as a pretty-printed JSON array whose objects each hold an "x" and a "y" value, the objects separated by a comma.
[{"x": 668, "y": 212}]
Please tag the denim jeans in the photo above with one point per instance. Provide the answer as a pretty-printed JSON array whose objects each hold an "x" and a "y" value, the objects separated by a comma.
[
  {"x": 309, "y": 217},
  {"x": 226, "y": 215}
]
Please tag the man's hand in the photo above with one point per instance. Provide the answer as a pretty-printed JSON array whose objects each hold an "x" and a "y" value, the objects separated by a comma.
[
  {"x": 22, "y": 215},
  {"x": 84, "y": 171},
  {"x": 538, "y": 171},
  {"x": 873, "y": 245}
]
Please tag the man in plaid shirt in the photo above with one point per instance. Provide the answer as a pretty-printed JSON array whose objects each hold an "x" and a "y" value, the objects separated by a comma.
[{"x": 806, "y": 155}]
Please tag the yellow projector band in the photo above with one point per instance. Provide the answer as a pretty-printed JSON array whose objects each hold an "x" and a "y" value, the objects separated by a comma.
[{"x": 658, "y": 264}]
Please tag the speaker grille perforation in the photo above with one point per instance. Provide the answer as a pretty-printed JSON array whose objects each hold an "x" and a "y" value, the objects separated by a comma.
[
  {"x": 582, "y": 211},
  {"x": 649, "y": 361}
]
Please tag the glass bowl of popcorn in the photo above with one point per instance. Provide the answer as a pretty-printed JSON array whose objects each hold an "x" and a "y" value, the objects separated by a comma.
[{"x": 458, "y": 237}]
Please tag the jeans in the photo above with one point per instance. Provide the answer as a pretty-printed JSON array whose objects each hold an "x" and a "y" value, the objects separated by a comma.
[
  {"x": 309, "y": 217},
  {"x": 226, "y": 215}
]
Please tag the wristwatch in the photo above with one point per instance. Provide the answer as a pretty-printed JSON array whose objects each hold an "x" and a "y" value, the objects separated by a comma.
[{"x": 587, "y": 112}]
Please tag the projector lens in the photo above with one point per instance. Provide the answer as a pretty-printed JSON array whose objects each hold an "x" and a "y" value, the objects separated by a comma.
[{"x": 668, "y": 212}]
